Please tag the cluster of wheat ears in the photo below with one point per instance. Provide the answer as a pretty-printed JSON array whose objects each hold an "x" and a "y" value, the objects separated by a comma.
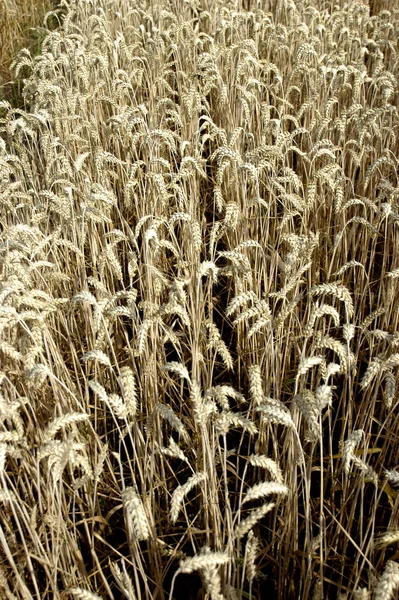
[{"x": 199, "y": 303}]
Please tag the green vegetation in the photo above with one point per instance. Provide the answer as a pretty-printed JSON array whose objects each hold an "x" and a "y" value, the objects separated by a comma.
[
  {"x": 20, "y": 27},
  {"x": 199, "y": 304}
]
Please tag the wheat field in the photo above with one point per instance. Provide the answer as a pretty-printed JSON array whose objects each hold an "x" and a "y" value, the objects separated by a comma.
[
  {"x": 199, "y": 303},
  {"x": 20, "y": 26}
]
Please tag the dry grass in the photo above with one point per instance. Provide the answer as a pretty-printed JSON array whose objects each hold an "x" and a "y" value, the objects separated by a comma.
[{"x": 199, "y": 304}]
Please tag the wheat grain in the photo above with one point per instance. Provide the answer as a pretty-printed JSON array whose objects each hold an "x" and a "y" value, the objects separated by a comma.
[
  {"x": 387, "y": 539},
  {"x": 255, "y": 516},
  {"x": 321, "y": 341},
  {"x": 324, "y": 396},
  {"x": 390, "y": 389},
  {"x": 388, "y": 582},
  {"x": 167, "y": 413},
  {"x": 251, "y": 550},
  {"x": 176, "y": 367},
  {"x": 362, "y": 594},
  {"x": 97, "y": 355},
  {"x": 350, "y": 444},
  {"x": 227, "y": 418},
  {"x": 203, "y": 560},
  {"x": 127, "y": 384},
  {"x": 372, "y": 371},
  {"x": 308, "y": 363},
  {"x": 81, "y": 594},
  {"x": 264, "y": 462},
  {"x": 338, "y": 291},
  {"x": 393, "y": 476},
  {"x": 276, "y": 413},
  {"x": 216, "y": 342},
  {"x": 204, "y": 408},
  {"x": 174, "y": 451},
  {"x": 260, "y": 490},
  {"x": 209, "y": 269},
  {"x": 181, "y": 492},
  {"x": 238, "y": 301},
  {"x": 212, "y": 582},
  {"x": 60, "y": 423},
  {"x": 255, "y": 385},
  {"x": 136, "y": 514}
]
